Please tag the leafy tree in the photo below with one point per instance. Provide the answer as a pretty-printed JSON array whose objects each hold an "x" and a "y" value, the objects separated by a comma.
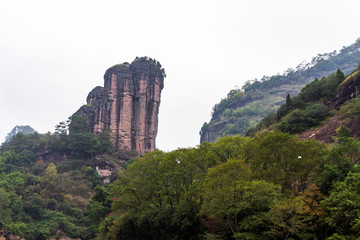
[
  {"x": 223, "y": 191},
  {"x": 343, "y": 206},
  {"x": 51, "y": 171},
  {"x": 343, "y": 134},
  {"x": 26, "y": 157},
  {"x": 335, "y": 169},
  {"x": 78, "y": 124},
  {"x": 340, "y": 76},
  {"x": 98, "y": 207},
  {"x": 63, "y": 127},
  {"x": 295, "y": 122},
  {"x": 82, "y": 141},
  {"x": 18, "y": 228},
  {"x": 4, "y": 209},
  {"x": 34, "y": 207},
  {"x": 315, "y": 113},
  {"x": 299, "y": 120},
  {"x": 282, "y": 159},
  {"x": 231, "y": 147},
  {"x": 287, "y": 219},
  {"x": 156, "y": 197},
  {"x": 288, "y": 101},
  {"x": 230, "y": 196},
  {"x": 315, "y": 214}
]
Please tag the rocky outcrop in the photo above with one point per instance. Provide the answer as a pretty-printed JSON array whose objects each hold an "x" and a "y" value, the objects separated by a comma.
[
  {"x": 128, "y": 104},
  {"x": 348, "y": 89}
]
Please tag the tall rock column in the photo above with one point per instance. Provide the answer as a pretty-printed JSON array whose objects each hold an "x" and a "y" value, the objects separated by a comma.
[
  {"x": 128, "y": 105},
  {"x": 120, "y": 88},
  {"x": 149, "y": 81}
]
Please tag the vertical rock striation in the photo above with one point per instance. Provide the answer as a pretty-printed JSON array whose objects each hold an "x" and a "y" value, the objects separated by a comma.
[{"x": 128, "y": 104}]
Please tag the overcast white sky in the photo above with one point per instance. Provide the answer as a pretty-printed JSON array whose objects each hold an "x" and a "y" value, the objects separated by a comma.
[{"x": 53, "y": 53}]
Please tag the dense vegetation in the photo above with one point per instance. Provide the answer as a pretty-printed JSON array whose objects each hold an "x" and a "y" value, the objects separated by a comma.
[
  {"x": 46, "y": 181},
  {"x": 244, "y": 108},
  {"x": 272, "y": 186}
]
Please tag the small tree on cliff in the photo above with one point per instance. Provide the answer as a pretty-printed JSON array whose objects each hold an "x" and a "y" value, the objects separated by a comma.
[
  {"x": 83, "y": 141},
  {"x": 79, "y": 124},
  {"x": 288, "y": 101}
]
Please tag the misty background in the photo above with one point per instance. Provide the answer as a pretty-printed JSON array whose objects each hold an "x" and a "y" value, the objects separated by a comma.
[{"x": 53, "y": 53}]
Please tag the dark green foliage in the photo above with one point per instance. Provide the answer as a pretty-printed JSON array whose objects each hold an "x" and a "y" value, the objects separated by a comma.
[
  {"x": 98, "y": 207},
  {"x": 34, "y": 207},
  {"x": 307, "y": 109},
  {"x": 331, "y": 173},
  {"x": 31, "y": 142},
  {"x": 340, "y": 76},
  {"x": 343, "y": 134},
  {"x": 37, "y": 199},
  {"x": 315, "y": 91},
  {"x": 89, "y": 144},
  {"x": 268, "y": 120},
  {"x": 204, "y": 128},
  {"x": 79, "y": 124},
  {"x": 235, "y": 188},
  {"x": 299, "y": 120},
  {"x": 288, "y": 101},
  {"x": 229, "y": 190},
  {"x": 343, "y": 206},
  {"x": 339, "y": 163},
  {"x": 82, "y": 141},
  {"x": 32, "y": 216}
]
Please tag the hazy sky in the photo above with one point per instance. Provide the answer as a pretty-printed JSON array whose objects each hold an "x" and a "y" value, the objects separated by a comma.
[{"x": 53, "y": 53}]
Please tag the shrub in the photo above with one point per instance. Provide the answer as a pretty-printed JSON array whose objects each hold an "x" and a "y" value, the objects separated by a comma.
[{"x": 300, "y": 120}]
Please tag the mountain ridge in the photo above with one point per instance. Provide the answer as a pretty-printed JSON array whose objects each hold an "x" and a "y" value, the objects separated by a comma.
[{"x": 245, "y": 107}]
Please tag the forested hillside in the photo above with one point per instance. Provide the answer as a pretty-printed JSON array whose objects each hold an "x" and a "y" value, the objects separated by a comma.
[
  {"x": 46, "y": 181},
  {"x": 322, "y": 109},
  {"x": 244, "y": 108},
  {"x": 273, "y": 186}
]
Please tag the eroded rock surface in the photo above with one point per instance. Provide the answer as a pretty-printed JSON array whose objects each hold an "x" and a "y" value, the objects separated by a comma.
[
  {"x": 128, "y": 105},
  {"x": 349, "y": 89}
]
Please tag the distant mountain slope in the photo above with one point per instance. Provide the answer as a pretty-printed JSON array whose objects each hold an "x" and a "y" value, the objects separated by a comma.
[
  {"x": 325, "y": 110},
  {"x": 19, "y": 129},
  {"x": 243, "y": 108}
]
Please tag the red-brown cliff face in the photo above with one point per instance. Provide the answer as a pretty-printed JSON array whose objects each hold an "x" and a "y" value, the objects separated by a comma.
[{"x": 128, "y": 104}]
